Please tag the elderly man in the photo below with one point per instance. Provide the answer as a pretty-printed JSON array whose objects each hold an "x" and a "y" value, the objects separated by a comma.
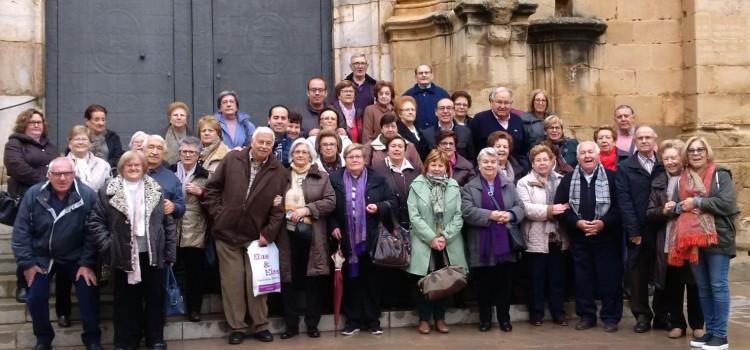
[
  {"x": 593, "y": 224},
  {"x": 62, "y": 204},
  {"x": 500, "y": 118},
  {"x": 174, "y": 200},
  {"x": 364, "y": 84},
  {"x": 634, "y": 177},
  {"x": 278, "y": 121},
  {"x": 427, "y": 94},
  {"x": 445, "y": 113},
  {"x": 239, "y": 197},
  {"x": 625, "y": 121},
  {"x": 236, "y": 127}
]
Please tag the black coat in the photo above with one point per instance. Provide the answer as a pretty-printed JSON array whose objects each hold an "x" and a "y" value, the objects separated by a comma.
[
  {"x": 399, "y": 184},
  {"x": 633, "y": 192},
  {"x": 465, "y": 145},
  {"x": 376, "y": 192},
  {"x": 114, "y": 146},
  {"x": 26, "y": 161},
  {"x": 421, "y": 144},
  {"x": 569, "y": 218}
]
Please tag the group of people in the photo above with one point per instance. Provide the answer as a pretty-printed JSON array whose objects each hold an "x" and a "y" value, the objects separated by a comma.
[{"x": 483, "y": 192}]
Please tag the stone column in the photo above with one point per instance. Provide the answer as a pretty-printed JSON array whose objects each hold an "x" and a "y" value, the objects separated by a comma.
[{"x": 716, "y": 49}]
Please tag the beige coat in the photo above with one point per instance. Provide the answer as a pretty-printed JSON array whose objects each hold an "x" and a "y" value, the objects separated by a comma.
[
  {"x": 539, "y": 221},
  {"x": 191, "y": 228}
]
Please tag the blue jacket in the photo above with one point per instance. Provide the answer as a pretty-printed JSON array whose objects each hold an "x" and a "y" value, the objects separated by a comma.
[
  {"x": 281, "y": 149},
  {"x": 633, "y": 192},
  {"x": 42, "y": 237},
  {"x": 171, "y": 187},
  {"x": 484, "y": 123},
  {"x": 427, "y": 100},
  {"x": 241, "y": 135}
]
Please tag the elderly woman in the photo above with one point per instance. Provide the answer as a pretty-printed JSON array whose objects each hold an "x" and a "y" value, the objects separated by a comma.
[
  {"x": 672, "y": 279},
  {"x": 435, "y": 214},
  {"x": 462, "y": 104},
  {"x": 383, "y": 104},
  {"x": 708, "y": 205},
  {"x": 308, "y": 201},
  {"x": 609, "y": 155},
  {"x": 93, "y": 171},
  {"x": 545, "y": 241},
  {"x": 533, "y": 120},
  {"x": 344, "y": 104},
  {"x": 236, "y": 127},
  {"x": 389, "y": 129},
  {"x": 329, "y": 120},
  {"x": 138, "y": 238},
  {"x": 398, "y": 173},
  {"x": 177, "y": 117},
  {"x": 105, "y": 143},
  {"x": 138, "y": 141},
  {"x": 508, "y": 167},
  {"x": 330, "y": 149},
  {"x": 191, "y": 228},
  {"x": 363, "y": 200},
  {"x": 459, "y": 168},
  {"x": 213, "y": 149},
  {"x": 563, "y": 147},
  {"x": 490, "y": 206},
  {"x": 406, "y": 111},
  {"x": 27, "y": 154}
]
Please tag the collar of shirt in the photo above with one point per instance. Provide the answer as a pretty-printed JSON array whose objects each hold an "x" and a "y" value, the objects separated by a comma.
[
  {"x": 404, "y": 165},
  {"x": 440, "y": 126}
]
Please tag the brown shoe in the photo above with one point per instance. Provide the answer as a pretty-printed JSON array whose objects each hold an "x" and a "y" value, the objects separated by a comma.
[
  {"x": 441, "y": 326},
  {"x": 424, "y": 327},
  {"x": 676, "y": 333}
]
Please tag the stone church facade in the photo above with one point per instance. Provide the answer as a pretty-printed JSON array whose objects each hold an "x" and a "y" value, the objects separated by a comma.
[{"x": 684, "y": 65}]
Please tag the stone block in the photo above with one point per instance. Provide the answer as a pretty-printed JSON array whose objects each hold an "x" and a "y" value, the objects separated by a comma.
[
  {"x": 668, "y": 9},
  {"x": 723, "y": 108},
  {"x": 619, "y": 32},
  {"x": 658, "y": 81},
  {"x": 8, "y": 337},
  {"x": 665, "y": 56},
  {"x": 604, "y": 9},
  {"x": 403, "y": 318},
  {"x": 647, "y": 108},
  {"x": 689, "y": 54},
  {"x": 21, "y": 69},
  {"x": 617, "y": 81},
  {"x": 545, "y": 8},
  {"x": 636, "y": 10},
  {"x": 498, "y": 73},
  {"x": 732, "y": 79},
  {"x": 723, "y": 52},
  {"x": 358, "y": 19},
  {"x": 22, "y": 21},
  {"x": 578, "y": 109},
  {"x": 625, "y": 56},
  {"x": 657, "y": 32},
  {"x": 673, "y": 105}
]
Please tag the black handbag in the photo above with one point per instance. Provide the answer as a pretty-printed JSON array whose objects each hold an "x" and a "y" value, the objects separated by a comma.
[
  {"x": 517, "y": 241},
  {"x": 393, "y": 248},
  {"x": 8, "y": 208},
  {"x": 303, "y": 231}
]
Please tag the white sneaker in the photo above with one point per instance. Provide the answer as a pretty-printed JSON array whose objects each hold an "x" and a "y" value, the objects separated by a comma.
[{"x": 350, "y": 331}]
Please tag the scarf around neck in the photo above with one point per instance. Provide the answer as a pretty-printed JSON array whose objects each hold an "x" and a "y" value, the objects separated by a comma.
[
  {"x": 609, "y": 159},
  {"x": 693, "y": 230},
  {"x": 601, "y": 192},
  {"x": 494, "y": 240},
  {"x": 438, "y": 185},
  {"x": 184, "y": 176},
  {"x": 356, "y": 222}
]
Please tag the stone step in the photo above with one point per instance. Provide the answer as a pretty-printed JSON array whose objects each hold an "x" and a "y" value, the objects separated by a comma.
[
  {"x": 7, "y": 264},
  {"x": 5, "y": 245}
]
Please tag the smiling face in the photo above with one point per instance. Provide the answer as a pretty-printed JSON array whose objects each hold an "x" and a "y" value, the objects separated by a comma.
[
  {"x": 155, "y": 150},
  {"x": 34, "y": 126},
  {"x": 261, "y": 146},
  {"x": 488, "y": 166},
  {"x": 278, "y": 120},
  {"x": 329, "y": 120},
  {"x": 293, "y": 130},
  {"x": 554, "y": 132},
  {"x": 61, "y": 175},
  {"x": 542, "y": 163},
  {"x": 588, "y": 157},
  {"x": 178, "y": 118},
  {"x": 133, "y": 170},
  {"x": 502, "y": 148},
  {"x": 436, "y": 168},
  {"x": 80, "y": 145},
  {"x": 540, "y": 103},
  {"x": 697, "y": 155},
  {"x": 605, "y": 139},
  {"x": 444, "y": 110},
  {"x": 384, "y": 96},
  {"x": 672, "y": 161},
  {"x": 501, "y": 103},
  {"x": 97, "y": 123},
  {"x": 301, "y": 156},
  {"x": 408, "y": 113}
]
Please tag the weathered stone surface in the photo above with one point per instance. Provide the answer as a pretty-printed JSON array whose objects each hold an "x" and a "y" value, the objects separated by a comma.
[
  {"x": 657, "y": 32},
  {"x": 619, "y": 32},
  {"x": 21, "y": 21},
  {"x": 21, "y": 69},
  {"x": 658, "y": 81}
]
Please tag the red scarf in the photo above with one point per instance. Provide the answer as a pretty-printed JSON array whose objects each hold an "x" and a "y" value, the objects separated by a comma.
[
  {"x": 609, "y": 160},
  {"x": 697, "y": 229}
]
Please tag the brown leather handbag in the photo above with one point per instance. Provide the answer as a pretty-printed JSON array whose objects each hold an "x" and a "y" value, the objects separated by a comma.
[
  {"x": 444, "y": 282},
  {"x": 393, "y": 248}
]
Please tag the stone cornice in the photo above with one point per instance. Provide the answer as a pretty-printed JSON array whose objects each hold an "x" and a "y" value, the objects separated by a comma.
[{"x": 565, "y": 29}]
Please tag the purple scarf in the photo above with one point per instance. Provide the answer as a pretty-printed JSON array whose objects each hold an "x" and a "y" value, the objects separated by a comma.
[
  {"x": 356, "y": 223},
  {"x": 494, "y": 240}
]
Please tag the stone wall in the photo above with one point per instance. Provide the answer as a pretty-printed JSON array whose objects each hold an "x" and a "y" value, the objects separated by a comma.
[{"x": 21, "y": 59}]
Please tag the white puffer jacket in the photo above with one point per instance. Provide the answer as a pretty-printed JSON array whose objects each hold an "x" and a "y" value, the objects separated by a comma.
[{"x": 538, "y": 223}]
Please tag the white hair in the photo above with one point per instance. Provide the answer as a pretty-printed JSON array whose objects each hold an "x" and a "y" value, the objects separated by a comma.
[
  {"x": 645, "y": 127},
  {"x": 157, "y": 138},
  {"x": 264, "y": 130},
  {"x": 136, "y": 135},
  {"x": 486, "y": 152},
  {"x": 596, "y": 147},
  {"x": 52, "y": 163},
  {"x": 500, "y": 89},
  {"x": 355, "y": 55}
]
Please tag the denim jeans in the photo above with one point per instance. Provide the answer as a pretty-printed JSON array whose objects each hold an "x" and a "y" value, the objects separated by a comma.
[{"x": 711, "y": 278}]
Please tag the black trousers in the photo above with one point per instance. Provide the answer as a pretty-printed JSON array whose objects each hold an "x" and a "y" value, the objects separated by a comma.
[
  {"x": 63, "y": 285},
  {"x": 674, "y": 294},
  {"x": 302, "y": 285},
  {"x": 361, "y": 304},
  {"x": 430, "y": 309},
  {"x": 493, "y": 287},
  {"x": 598, "y": 268},
  {"x": 139, "y": 308},
  {"x": 194, "y": 261},
  {"x": 546, "y": 275},
  {"x": 639, "y": 276}
]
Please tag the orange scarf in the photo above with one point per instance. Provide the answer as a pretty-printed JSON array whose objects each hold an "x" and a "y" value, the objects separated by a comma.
[{"x": 693, "y": 229}]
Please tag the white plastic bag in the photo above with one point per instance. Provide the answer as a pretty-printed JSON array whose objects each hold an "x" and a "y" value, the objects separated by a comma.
[{"x": 264, "y": 262}]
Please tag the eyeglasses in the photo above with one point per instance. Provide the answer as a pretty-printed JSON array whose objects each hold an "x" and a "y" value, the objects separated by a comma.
[
  {"x": 445, "y": 108},
  {"x": 80, "y": 139},
  {"x": 554, "y": 128},
  {"x": 540, "y": 100},
  {"x": 698, "y": 151},
  {"x": 61, "y": 174},
  {"x": 188, "y": 152},
  {"x": 355, "y": 157},
  {"x": 317, "y": 90},
  {"x": 36, "y": 122},
  {"x": 328, "y": 145},
  {"x": 359, "y": 64},
  {"x": 424, "y": 73},
  {"x": 447, "y": 144}
]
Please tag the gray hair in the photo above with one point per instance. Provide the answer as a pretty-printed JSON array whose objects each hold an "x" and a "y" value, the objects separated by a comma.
[
  {"x": 192, "y": 141},
  {"x": 70, "y": 161},
  {"x": 304, "y": 142},
  {"x": 357, "y": 54},
  {"x": 645, "y": 127},
  {"x": 136, "y": 135},
  {"x": 500, "y": 89},
  {"x": 264, "y": 130},
  {"x": 157, "y": 138},
  {"x": 596, "y": 147},
  {"x": 486, "y": 152}
]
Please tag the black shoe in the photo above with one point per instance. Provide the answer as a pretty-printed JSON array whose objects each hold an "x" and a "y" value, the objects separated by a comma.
[
  {"x": 610, "y": 327},
  {"x": 264, "y": 336},
  {"x": 560, "y": 322},
  {"x": 485, "y": 326},
  {"x": 584, "y": 325},
  {"x": 159, "y": 346},
  {"x": 94, "y": 347},
  {"x": 642, "y": 327},
  {"x": 21, "y": 294},
  {"x": 289, "y": 334},
  {"x": 313, "y": 333},
  {"x": 700, "y": 341},
  {"x": 716, "y": 343},
  {"x": 120, "y": 347},
  {"x": 236, "y": 338},
  {"x": 63, "y": 321},
  {"x": 194, "y": 316},
  {"x": 42, "y": 347},
  {"x": 350, "y": 330},
  {"x": 536, "y": 322},
  {"x": 505, "y": 326}
]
